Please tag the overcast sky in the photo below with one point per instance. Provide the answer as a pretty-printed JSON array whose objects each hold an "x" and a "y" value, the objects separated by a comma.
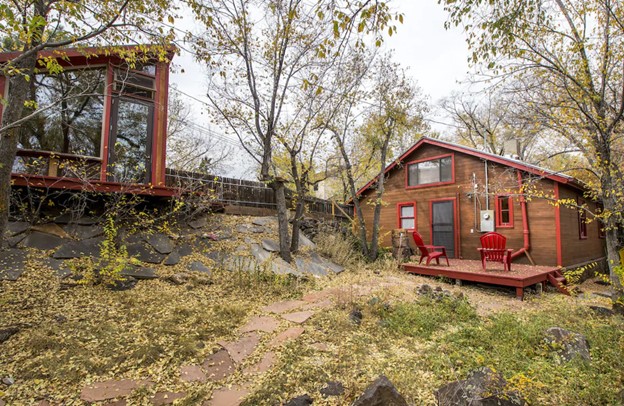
[{"x": 436, "y": 59}]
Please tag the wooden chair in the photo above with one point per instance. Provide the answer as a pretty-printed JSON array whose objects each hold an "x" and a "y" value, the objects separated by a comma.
[
  {"x": 429, "y": 251},
  {"x": 493, "y": 249}
]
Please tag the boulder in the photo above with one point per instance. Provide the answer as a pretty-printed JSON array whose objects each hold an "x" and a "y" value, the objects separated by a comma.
[
  {"x": 198, "y": 223},
  {"x": 160, "y": 242},
  {"x": 264, "y": 221},
  {"x": 58, "y": 266},
  {"x": 568, "y": 344},
  {"x": 6, "y": 333},
  {"x": 120, "y": 285},
  {"x": 172, "y": 259},
  {"x": 79, "y": 249},
  {"x": 270, "y": 245},
  {"x": 602, "y": 311},
  {"x": 144, "y": 254},
  {"x": 178, "y": 278},
  {"x": 303, "y": 400},
  {"x": 482, "y": 387},
  {"x": 333, "y": 388},
  {"x": 83, "y": 232},
  {"x": 17, "y": 227},
  {"x": 52, "y": 229},
  {"x": 139, "y": 273},
  {"x": 381, "y": 393},
  {"x": 197, "y": 266},
  {"x": 42, "y": 241},
  {"x": 12, "y": 263},
  {"x": 356, "y": 316}
]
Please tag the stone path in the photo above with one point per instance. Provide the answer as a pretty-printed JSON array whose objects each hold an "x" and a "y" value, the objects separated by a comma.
[{"x": 226, "y": 361}]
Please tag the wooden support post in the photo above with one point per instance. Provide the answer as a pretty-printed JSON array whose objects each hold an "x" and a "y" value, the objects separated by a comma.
[
  {"x": 520, "y": 294},
  {"x": 458, "y": 282}
]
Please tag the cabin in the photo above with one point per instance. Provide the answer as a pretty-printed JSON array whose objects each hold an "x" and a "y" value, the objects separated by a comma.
[
  {"x": 452, "y": 194},
  {"x": 103, "y": 122}
]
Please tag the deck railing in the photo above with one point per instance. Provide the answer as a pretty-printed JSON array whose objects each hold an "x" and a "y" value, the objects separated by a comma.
[{"x": 239, "y": 192}]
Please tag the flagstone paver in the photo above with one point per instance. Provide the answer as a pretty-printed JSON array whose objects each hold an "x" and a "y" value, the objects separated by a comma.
[
  {"x": 219, "y": 366},
  {"x": 323, "y": 304},
  {"x": 283, "y": 307},
  {"x": 287, "y": 335},
  {"x": 241, "y": 349},
  {"x": 267, "y": 361},
  {"x": 298, "y": 317},
  {"x": 166, "y": 398},
  {"x": 99, "y": 391},
  {"x": 192, "y": 373},
  {"x": 267, "y": 324},
  {"x": 228, "y": 396}
]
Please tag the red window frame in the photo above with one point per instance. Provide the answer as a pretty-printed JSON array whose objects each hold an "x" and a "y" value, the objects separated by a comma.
[
  {"x": 400, "y": 218},
  {"x": 433, "y": 158},
  {"x": 499, "y": 212},
  {"x": 582, "y": 220}
]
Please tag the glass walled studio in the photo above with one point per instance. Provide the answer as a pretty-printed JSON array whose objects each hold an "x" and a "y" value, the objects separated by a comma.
[{"x": 100, "y": 120}]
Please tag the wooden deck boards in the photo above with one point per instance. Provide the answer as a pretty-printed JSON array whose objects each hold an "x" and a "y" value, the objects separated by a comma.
[{"x": 519, "y": 277}]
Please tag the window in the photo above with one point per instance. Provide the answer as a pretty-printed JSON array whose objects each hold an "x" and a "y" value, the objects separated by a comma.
[
  {"x": 504, "y": 211},
  {"x": 582, "y": 219},
  {"x": 72, "y": 121},
  {"x": 407, "y": 215},
  {"x": 132, "y": 116},
  {"x": 430, "y": 172}
]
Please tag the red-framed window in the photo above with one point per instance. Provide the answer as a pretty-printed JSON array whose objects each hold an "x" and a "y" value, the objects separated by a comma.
[
  {"x": 438, "y": 170},
  {"x": 406, "y": 215},
  {"x": 504, "y": 211},
  {"x": 582, "y": 220}
]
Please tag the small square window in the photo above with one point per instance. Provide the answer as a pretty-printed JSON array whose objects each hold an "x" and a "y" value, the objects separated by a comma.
[{"x": 407, "y": 215}]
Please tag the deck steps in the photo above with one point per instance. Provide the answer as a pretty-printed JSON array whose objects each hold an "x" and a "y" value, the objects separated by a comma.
[{"x": 559, "y": 281}]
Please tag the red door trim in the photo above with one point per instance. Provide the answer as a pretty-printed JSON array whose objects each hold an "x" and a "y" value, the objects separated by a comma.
[{"x": 455, "y": 222}]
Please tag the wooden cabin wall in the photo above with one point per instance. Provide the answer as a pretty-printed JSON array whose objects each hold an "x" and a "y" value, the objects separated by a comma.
[
  {"x": 541, "y": 213},
  {"x": 575, "y": 250}
]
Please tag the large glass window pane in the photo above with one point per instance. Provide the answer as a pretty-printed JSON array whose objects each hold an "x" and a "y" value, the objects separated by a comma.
[
  {"x": 131, "y": 149},
  {"x": 428, "y": 172},
  {"x": 70, "y": 120},
  {"x": 446, "y": 169}
]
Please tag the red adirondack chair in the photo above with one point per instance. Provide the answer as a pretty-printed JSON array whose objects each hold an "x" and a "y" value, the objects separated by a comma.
[
  {"x": 429, "y": 251},
  {"x": 493, "y": 249}
]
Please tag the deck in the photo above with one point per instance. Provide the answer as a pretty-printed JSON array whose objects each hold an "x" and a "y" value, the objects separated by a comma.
[{"x": 520, "y": 276}]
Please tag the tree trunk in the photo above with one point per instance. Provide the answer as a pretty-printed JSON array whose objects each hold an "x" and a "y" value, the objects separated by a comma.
[
  {"x": 18, "y": 91},
  {"x": 282, "y": 219},
  {"x": 356, "y": 201},
  {"x": 374, "y": 250}
]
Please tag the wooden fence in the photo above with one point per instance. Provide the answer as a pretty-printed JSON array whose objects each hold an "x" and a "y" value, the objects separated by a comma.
[{"x": 238, "y": 192}]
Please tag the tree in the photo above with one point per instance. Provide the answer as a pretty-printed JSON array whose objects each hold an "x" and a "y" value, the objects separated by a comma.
[
  {"x": 572, "y": 51},
  {"x": 494, "y": 123},
  {"x": 31, "y": 26},
  {"x": 261, "y": 52},
  {"x": 397, "y": 111}
]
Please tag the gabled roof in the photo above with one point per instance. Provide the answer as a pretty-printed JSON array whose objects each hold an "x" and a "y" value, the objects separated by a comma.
[{"x": 510, "y": 162}]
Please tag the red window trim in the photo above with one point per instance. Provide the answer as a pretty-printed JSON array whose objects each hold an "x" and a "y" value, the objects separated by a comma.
[
  {"x": 582, "y": 220},
  {"x": 433, "y": 158},
  {"x": 399, "y": 217},
  {"x": 498, "y": 212}
]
